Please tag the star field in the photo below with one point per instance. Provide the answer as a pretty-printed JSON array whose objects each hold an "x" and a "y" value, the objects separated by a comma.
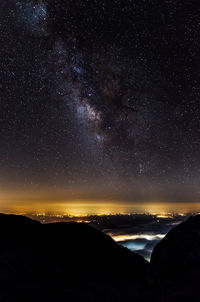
[{"x": 100, "y": 99}]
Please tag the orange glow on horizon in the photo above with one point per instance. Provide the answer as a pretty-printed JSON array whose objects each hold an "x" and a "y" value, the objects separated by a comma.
[
  {"x": 79, "y": 209},
  {"x": 165, "y": 215}
]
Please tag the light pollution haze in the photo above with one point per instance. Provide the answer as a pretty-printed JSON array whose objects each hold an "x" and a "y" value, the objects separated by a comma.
[{"x": 42, "y": 204}]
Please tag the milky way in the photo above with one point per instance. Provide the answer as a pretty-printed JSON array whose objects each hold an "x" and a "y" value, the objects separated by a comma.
[{"x": 101, "y": 94}]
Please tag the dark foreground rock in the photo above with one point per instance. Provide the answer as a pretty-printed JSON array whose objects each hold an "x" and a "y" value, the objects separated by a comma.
[
  {"x": 65, "y": 262},
  {"x": 77, "y": 263},
  {"x": 175, "y": 263}
]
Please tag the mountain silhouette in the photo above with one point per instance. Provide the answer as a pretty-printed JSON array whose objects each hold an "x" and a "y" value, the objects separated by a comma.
[
  {"x": 77, "y": 263},
  {"x": 65, "y": 261},
  {"x": 175, "y": 263}
]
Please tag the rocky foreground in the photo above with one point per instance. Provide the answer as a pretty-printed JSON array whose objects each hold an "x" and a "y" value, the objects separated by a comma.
[{"x": 75, "y": 262}]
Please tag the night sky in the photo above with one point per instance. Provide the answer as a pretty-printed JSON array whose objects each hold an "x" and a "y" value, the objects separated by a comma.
[{"x": 99, "y": 100}]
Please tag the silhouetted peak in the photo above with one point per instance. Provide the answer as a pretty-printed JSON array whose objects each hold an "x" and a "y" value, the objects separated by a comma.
[
  {"x": 175, "y": 261},
  {"x": 16, "y": 220},
  {"x": 72, "y": 259}
]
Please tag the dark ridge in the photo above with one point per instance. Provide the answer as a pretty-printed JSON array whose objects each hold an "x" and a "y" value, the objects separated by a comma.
[
  {"x": 75, "y": 262},
  {"x": 16, "y": 220},
  {"x": 65, "y": 261},
  {"x": 175, "y": 262}
]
